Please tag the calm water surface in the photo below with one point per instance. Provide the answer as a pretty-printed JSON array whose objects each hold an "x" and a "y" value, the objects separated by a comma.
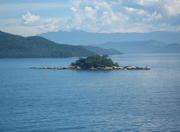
[{"x": 85, "y": 101}]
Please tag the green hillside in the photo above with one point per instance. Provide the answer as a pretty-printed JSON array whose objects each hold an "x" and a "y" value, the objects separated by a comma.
[{"x": 14, "y": 46}]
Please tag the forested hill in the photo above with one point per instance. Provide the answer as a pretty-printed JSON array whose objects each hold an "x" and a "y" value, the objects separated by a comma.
[{"x": 14, "y": 46}]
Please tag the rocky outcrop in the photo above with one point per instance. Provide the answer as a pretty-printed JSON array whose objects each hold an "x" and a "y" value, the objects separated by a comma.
[
  {"x": 57, "y": 68},
  {"x": 97, "y": 68},
  {"x": 137, "y": 68}
]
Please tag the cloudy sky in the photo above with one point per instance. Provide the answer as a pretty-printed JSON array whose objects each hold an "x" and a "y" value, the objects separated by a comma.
[{"x": 32, "y": 17}]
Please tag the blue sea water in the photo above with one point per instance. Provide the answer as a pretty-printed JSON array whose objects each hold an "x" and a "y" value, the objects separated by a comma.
[{"x": 86, "y": 101}]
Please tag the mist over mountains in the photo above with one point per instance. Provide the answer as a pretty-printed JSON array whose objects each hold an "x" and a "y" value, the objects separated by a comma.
[
  {"x": 152, "y": 42},
  {"x": 89, "y": 38},
  {"x": 144, "y": 46}
]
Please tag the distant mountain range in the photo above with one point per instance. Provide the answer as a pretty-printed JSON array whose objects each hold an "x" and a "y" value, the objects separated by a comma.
[
  {"x": 153, "y": 42},
  {"x": 90, "y": 38},
  {"x": 13, "y": 46},
  {"x": 146, "y": 46},
  {"x": 102, "y": 51}
]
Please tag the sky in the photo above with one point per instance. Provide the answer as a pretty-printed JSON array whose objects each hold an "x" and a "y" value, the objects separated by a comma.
[{"x": 33, "y": 17}]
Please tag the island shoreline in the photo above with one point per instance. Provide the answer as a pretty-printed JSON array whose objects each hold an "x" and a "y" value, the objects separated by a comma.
[{"x": 98, "y": 68}]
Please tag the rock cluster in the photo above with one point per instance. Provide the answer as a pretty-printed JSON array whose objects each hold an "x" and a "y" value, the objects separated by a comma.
[
  {"x": 98, "y": 68},
  {"x": 58, "y": 68},
  {"x": 114, "y": 68}
]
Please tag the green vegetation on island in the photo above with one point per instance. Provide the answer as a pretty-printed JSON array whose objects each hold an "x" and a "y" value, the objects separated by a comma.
[{"x": 96, "y": 61}]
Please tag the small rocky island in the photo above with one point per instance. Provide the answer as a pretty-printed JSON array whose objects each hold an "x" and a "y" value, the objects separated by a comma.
[{"x": 96, "y": 62}]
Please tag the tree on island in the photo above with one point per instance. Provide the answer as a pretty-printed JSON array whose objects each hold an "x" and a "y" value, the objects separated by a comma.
[{"x": 96, "y": 61}]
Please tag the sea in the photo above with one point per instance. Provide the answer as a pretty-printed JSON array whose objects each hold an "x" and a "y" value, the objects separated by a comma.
[{"x": 37, "y": 100}]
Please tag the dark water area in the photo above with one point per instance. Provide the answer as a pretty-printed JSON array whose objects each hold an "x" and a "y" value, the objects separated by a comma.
[{"x": 34, "y": 100}]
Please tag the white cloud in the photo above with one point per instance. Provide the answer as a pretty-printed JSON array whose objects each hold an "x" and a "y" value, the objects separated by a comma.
[
  {"x": 137, "y": 11},
  {"x": 87, "y": 8},
  {"x": 31, "y": 24},
  {"x": 101, "y": 16},
  {"x": 31, "y": 30},
  {"x": 119, "y": 16},
  {"x": 172, "y": 7},
  {"x": 29, "y": 18},
  {"x": 130, "y": 9},
  {"x": 21, "y": 30},
  {"x": 73, "y": 9},
  {"x": 148, "y": 2},
  {"x": 96, "y": 16},
  {"x": 9, "y": 21},
  {"x": 10, "y": 7}
]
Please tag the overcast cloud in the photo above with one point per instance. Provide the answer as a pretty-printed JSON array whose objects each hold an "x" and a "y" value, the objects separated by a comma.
[{"x": 96, "y": 16}]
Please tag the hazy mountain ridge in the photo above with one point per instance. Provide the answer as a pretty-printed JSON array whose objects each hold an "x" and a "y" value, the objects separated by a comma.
[
  {"x": 152, "y": 42},
  {"x": 148, "y": 46},
  {"x": 90, "y": 38},
  {"x": 102, "y": 51}
]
